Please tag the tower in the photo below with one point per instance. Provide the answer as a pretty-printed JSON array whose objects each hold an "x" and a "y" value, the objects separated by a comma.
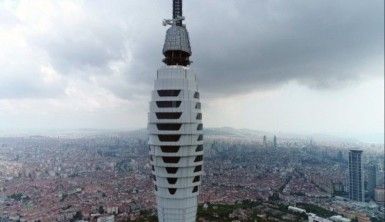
[
  {"x": 175, "y": 127},
  {"x": 356, "y": 182}
]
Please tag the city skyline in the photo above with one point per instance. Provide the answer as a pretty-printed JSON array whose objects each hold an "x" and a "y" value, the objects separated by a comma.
[
  {"x": 58, "y": 177},
  {"x": 299, "y": 68}
]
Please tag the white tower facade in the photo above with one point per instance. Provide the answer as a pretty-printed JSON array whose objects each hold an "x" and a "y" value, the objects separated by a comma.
[{"x": 175, "y": 128}]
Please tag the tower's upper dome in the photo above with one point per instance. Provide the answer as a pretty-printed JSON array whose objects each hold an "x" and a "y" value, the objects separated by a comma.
[
  {"x": 177, "y": 39},
  {"x": 176, "y": 48}
]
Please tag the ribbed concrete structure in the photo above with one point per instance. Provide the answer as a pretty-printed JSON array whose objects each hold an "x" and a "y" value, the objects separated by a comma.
[{"x": 175, "y": 128}]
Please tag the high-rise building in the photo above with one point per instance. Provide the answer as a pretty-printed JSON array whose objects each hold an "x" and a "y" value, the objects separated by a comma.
[
  {"x": 379, "y": 195},
  {"x": 380, "y": 173},
  {"x": 175, "y": 127},
  {"x": 264, "y": 141},
  {"x": 371, "y": 179},
  {"x": 356, "y": 182},
  {"x": 340, "y": 157},
  {"x": 275, "y": 141}
]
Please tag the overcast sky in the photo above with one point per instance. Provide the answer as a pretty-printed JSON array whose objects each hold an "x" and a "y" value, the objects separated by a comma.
[{"x": 282, "y": 66}]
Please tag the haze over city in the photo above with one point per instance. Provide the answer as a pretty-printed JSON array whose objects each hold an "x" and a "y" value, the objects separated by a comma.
[
  {"x": 192, "y": 111},
  {"x": 296, "y": 67}
]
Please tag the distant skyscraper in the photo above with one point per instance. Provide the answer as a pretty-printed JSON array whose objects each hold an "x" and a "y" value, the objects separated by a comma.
[
  {"x": 372, "y": 179},
  {"x": 340, "y": 158},
  {"x": 356, "y": 182},
  {"x": 379, "y": 195},
  {"x": 380, "y": 175},
  {"x": 275, "y": 141},
  {"x": 175, "y": 128},
  {"x": 264, "y": 141}
]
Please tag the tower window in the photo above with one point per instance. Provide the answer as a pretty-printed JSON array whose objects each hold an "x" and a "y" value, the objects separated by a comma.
[
  {"x": 168, "y": 138},
  {"x": 172, "y": 180},
  {"x": 198, "y": 169},
  {"x": 152, "y": 167},
  {"x": 169, "y": 149},
  {"x": 197, "y": 105},
  {"x": 172, "y": 170},
  {"x": 198, "y": 158},
  {"x": 168, "y": 115},
  {"x": 195, "y": 189},
  {"x": 168, "y": 126},
  {"x": 170, "y": 159},
  {"x": 156, "y": 188},
  {"x": 168, "y": 104},
  {"x": 163, "y": 93},
  {"x": 200, "y": 137},
  {"x": 200, "y": 126},
  {"x": 196, "y": 179},
  {"x": 154, "y": 177},
  {"x": 199, "y": 148},
  {"x": 196, "y": 95},
  {"x": 199, "y": 116},
  {"x": 172, "y": 190}
]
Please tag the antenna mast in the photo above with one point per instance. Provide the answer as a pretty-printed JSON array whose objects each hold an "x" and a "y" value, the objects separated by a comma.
[{"x": 177, "y": 12}]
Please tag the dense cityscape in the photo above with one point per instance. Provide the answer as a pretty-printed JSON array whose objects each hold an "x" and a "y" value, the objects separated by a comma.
[
  {"x": 247, "y": 174},
  {"x": 80, "y": 79}
]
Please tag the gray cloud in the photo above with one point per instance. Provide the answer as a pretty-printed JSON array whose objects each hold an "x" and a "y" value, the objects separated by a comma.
[
  {"x": 241, "y": 46},
  {"x": 17, "y": 89},
  {"x": 17, "y": 83},
  {"x": 107, "y": 34},
  {"x": 238, "y": 46},
  {"x": 88, "y": 46},
  {"x": 256, "y": 44}
]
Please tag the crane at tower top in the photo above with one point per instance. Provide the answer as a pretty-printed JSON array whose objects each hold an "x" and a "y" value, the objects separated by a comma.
[
  {"x": 177, "y": 9},
  {"x": 177, "y": 14}
]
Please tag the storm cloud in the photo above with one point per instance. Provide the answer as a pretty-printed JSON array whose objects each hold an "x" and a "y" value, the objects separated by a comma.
[
  {"x": 91, "y": 64},
  {"x": 250, "y": 45},
  {"x": 238, "y": 46},
  {"x": 243, "y": 46}
]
